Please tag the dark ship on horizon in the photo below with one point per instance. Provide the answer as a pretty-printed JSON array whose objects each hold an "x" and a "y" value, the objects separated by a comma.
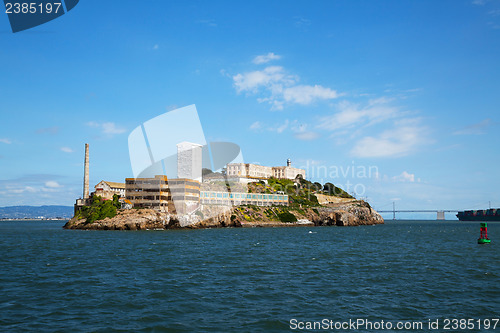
[{"x": 480, "y": 215}]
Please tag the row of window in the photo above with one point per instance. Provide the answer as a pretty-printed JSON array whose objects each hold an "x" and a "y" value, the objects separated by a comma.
[
  {"x": 243, "y": 196},
  {"x": 148, "y": 197}
]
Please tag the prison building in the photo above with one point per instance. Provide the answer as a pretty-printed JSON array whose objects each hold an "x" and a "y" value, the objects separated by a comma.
[
  {"x": 248, "y": 170},
  {"x": 242, "y": 171}
]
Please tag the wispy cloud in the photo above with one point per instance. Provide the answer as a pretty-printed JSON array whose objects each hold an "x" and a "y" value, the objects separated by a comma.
[
  {"x": 263, "y": 59},
  {"x": 350, "y": 115},
  {"x": 48, "y": 130},
  {"x": 405, "y": 177},
  {"x": 479, "y": 2},
  {"x": 280, "y": 88},
  {"x": 5, "y": 140},
  {"x": 301, "y": 132},
  {"x": 407, "y": 135},
  {"x": 108, "y": 128},
  {"x": 475, "y": 129},
  {"x": 67, "y": 149},
  {"x": 52, "y": 184},
  {"x": 282, "y": 127},
  {"x": 33, "y": 189},
  {"x": 156, "y": 47},
  {"x": 256, "y": 126},
  {"x": 301, "y": 22},
  {"x": 307, "y": 94},
  {"x": 494, "y": 12}
]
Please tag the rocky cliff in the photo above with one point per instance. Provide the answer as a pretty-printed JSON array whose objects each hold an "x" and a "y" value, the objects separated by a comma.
[{"x": 351, "y": 213}]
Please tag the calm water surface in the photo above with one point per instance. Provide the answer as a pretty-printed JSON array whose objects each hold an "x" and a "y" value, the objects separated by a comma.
[{"x": 243, "y": 280}]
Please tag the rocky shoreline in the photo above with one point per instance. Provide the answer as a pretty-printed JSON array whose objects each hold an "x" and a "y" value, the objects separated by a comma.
[{"x": 349, "y": 213}]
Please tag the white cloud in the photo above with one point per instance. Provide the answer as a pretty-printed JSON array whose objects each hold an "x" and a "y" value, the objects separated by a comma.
[
  {"x": 474, "y": 129},
  {"x": 256, "y": 125},
  {"x": 52, "y": 184},
  {"x": 280, "y": 88},
  {"x": 479, "y": 2},
  {"x": 405, "y": 177},
  {"x": 403, "y": 139},
  {"x": 5, "y": 140},
  {"x": 307, "y": 94},
  {"x": 272, "y": 77},
  {"x": 67, "y": 149},
  {"x": 283, "y": 127},
  {"x": 262, "y": 59},
  {"x": 112, "y": 128},
  {"x": 351, "y": 115},
  {"x": 108, "y": 128}
]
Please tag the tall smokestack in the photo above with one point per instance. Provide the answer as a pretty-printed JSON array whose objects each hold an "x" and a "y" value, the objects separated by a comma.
[{"x": 86, "y": 173}]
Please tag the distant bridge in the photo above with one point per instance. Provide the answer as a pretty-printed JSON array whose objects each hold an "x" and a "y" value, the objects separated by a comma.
[{"x": 440, "y": 213}]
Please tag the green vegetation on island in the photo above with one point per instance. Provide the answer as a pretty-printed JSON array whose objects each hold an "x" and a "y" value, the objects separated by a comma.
[
  {"x": 300, "y": 191},
  {"x": 99, "y": 209}
]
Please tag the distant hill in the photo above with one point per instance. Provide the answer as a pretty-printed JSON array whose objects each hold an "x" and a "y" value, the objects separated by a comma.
[{"x": 33, "y": 212}]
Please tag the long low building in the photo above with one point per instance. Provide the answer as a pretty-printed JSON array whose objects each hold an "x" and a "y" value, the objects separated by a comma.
[{"x": 236, "y": 199}]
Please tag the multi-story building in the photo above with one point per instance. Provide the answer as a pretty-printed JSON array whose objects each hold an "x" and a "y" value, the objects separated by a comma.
[
  {"x": 106, "y": 189},
  {"x": 180, "y": 196},
  {"x": 149, "y": 193}
]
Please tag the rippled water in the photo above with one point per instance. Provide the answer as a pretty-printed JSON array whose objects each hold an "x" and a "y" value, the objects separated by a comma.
[{"x": 243, "y": 280}]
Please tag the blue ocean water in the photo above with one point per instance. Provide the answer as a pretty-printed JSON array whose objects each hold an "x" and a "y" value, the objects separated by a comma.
[{"x": 244, "y": 280}]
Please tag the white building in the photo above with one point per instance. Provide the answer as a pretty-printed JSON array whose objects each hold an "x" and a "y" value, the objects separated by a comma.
[
  {"x": 248, "y": 171},
  {"x": 189, "y": 160},
  {"x": 106, "y": 189},
  {"x": 288, "y": 172}
]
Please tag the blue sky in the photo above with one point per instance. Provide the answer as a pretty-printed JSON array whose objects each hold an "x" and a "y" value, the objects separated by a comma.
[{"x": 407, "y": 88}]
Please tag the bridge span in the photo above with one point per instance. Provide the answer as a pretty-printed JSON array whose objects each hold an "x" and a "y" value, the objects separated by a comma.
[{"x": 439, "y": 213}]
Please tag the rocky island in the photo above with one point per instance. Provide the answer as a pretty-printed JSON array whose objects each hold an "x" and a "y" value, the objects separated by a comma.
[
  {"x": 305, "y": 209},
  {"x": 241, "y": 195}
]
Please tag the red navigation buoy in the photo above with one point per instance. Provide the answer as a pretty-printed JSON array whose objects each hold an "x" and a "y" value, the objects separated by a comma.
[{"x": 483, "y": 236}]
